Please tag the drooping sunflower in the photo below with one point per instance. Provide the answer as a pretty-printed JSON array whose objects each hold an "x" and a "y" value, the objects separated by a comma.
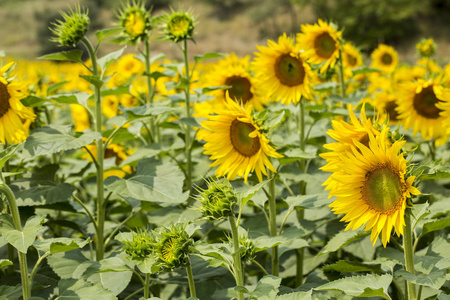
[
  {"x": 236, "y": 143},
  {"x": 418, "y": 108},
  {"x": 235, "y": 72},
  {"x": 321, "y": 43},
  {"x": 374, "y": 187},
  {"x": 384, "y": 58},
  {"x": 346, "y": 134},
  {"x": 12, "y": 112},
  {"x": 281, "y": 71}
]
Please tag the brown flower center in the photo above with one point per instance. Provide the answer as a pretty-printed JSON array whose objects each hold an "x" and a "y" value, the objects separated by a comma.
[
  {"x": 390, "y": 109},
  {"x": 240, "y": 88},
  {"x": 386, "y": 59},
  {"x": 352, "y": 61},
  {"x": 324, "y": 45},
  {"x": 242, "y": 143},
  {"x": 425, "y": 103},
  {"x": 289, "y": 70},
  {"x": 4, "y": 99},
  {"x": 382, "y": 189}
]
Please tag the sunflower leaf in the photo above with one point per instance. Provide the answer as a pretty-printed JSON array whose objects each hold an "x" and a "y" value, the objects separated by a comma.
[
  {"x": 73, "y": 55},
  {"x": 20, "y": 240},
  {"x": 364, "y": 70},
  {"x": 5, "y": 262},
  {"x": 435, "y": 279},
  {"x": 266, "y": 288},
  {"x": 341, "y": 239},
  {"x": 105, "y": 61},
  {"x": 296, "y": 296},
  {"x": 53, "y": 139},
  {"x": 245, "y": 194},
  {"x": 104, "y": 33},
  {"x": 6, "y": 154},
  {"x": 435, "y": 225},
  {"x": 361, "y": 286},
  {"x": 157, "y": 182},
  {"x": 353, "y": 266},
  {"x": 209, "y": 55}
]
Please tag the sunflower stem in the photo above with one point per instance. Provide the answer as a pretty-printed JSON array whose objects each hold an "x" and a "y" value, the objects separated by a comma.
[
  {"x": 273, "y": 222},
  {"x": 188, "y": 115},
  {"x": 190, "y": 279},
  {"x": 341, "y": 74},
  {"x": 149, "y": 97},
  {"x": 239, "y": 277},
  {"x": 300, "y": 254},
  {"x": 26, "y": 288},
  {"x": 100, "y": 156},
  {"x": 147, "y": 286},
  {"x": 409, "y": 254}
]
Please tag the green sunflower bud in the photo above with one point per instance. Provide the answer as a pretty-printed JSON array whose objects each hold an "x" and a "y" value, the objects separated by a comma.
[
  {"x": 141, "y": 246},
  {"x": 218, "y": 200},
  {"x": 246, "y": 246},
  {"x": 426, "y": 48},
  {"x": 173, "y": 246},
  {"x": 70, "y": 31},
  {"x": 135, "y": 21},
  {"x": 179, "y": 26}
]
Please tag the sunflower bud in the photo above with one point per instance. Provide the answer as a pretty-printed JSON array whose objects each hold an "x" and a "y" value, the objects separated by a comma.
[
  {"x": 247, "y": 248},
  {"x": 218, "y": 200},
  {"x": 68, "y": 33},
  {"x": 426, "y": 48},
  {"x": 172, "y": 247},
  {"x": 141, "y": 246},
  {"x": 135, "y": 21},
  {"x": 179, "y": 26}
]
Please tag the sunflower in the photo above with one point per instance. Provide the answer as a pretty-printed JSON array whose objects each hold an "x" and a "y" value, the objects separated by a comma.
[
  {"x": 374, "y": 187},
  {"x": 12, "y": 112},
  {"x": 321, "y": 44},
  {"x": 384, "y": 58},
  {"x": 128, "y": 65},
  {"x": 418, "y": 108},
  {"x": 110, "y": 105},
  {"x": 386, "y": 106},
  {"x": 282, "y": 72},
  {"x": 236, "y": 143},
  {"x": 234, "y": 72},
  {"x": 346, "y": 134},
  {"x": 351, "y": 59}
]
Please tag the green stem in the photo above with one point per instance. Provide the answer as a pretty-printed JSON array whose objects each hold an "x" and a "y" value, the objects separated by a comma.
[
  {"x": 26, "y": 288},
  {"x": 78, "y": 200},
  {"x": 409, "y": 254},
  {"x": 190, "y": 279},
  {"x": 260, "y": 267},
  {"x": 10, "y": 248},
  {"x": 236, "y": 256},
  {"x": 149, "y": 98},
  {"x": 100, "y": 251},
  {"x": 300, "y": 253},
  {"x": 273, "y": 222},
  {"x": 36, "y": 266},
  {"x": 341, "y": 74},
  {"x": 188, "y": 115},
  {"x": 147, "y": 286}
]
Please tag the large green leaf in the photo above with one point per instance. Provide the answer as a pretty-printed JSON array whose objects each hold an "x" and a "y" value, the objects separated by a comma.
[
  {"x": 435, "y": 279},
  {"x": 73, "y": 55},
  {"x": 208, "y": 55},
  {"x": 21, "y": 240},
  {"x": 435, "y": 225},
  {"x": 157, "y": 182},
  {"x": 246, "y": 193},
  {"x": 293, "y": 155},
  {"x": 7, "y": 153},
  {"x": 48, "y": 140},
  {"x": 76, "y": 289},
  {"x": 341, "y": 239},
  {"x": 34, "y": 193},
  {"x": 62, "y": 244},
  {"x": 296, "y": 296},
  {"x": 361, "y": 286},
  {"x": 266, "y": 288},
  {"x": 104, "y": 33},
  {"x": 353, "y": 266},
  {"x": 5, "y": 262},
  {"x": 10, "y": 292},
  {"x": 109, "y": 58}
]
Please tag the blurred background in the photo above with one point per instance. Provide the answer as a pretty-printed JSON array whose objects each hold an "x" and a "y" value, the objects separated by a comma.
[{"x": 239, "y": 25}]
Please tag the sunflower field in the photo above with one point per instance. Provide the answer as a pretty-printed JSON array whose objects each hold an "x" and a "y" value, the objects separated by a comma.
[{"x": 305, "y": 170}]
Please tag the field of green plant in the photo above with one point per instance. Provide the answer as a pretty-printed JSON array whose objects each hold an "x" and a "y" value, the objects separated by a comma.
[{"x": 305, "y": 170}]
